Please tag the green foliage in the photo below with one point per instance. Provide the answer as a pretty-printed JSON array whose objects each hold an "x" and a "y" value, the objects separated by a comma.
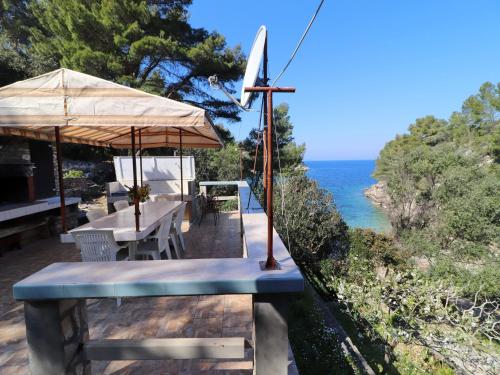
[
  {"x": 226, "y": 162},
  {"x": 229, "y": 205},
  {"x": 468, "y": 280},
  {"x": 443, "y": 180},
  {"x": 410, "y": 310},
  {"x": 307, "y": 220},
  {"x": 376, "y": 247},
  {"x": 148, "y": 45},
  {"x": 315, "y": 347},
  {"x": 73, "y": 173},
  {"x": 290, "y": 153},
  {"x": 141, "y": 193},
  {"x": 15, "y": 21}
]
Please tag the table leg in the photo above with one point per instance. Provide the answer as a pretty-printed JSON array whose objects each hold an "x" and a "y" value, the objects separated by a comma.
[{"x": 132, "y": 247}]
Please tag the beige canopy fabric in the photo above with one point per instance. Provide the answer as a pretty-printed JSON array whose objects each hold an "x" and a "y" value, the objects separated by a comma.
[{"x": 97, "y": 112}]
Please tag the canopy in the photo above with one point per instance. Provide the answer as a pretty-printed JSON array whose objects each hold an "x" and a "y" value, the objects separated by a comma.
[{"x": 97, "y": 112}]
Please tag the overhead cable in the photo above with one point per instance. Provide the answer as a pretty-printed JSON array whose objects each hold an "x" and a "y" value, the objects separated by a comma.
[{"x": 299, "y": 43}]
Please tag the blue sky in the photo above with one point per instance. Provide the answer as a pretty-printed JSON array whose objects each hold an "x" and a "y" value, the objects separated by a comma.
[{"x": 368, "y": 68}]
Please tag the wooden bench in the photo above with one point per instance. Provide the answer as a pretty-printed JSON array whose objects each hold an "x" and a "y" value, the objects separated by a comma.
[{"x": 12, "y": 235}]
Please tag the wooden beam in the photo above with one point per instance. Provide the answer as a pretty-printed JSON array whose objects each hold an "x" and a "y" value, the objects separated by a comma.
[{"x": 154, "y": 349}]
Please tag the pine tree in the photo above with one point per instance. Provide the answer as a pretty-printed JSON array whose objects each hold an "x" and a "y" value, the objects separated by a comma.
[{"x": 148, "y": 45}]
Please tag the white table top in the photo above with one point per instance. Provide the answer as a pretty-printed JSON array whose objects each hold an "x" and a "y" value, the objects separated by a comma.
[{"x": 122, "y": 223}]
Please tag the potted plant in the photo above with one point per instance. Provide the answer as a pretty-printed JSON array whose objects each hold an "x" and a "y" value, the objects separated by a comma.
[{"x": 141, "y": 194}]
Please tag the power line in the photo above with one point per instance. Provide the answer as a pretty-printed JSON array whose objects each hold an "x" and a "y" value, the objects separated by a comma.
[{"x": 300, "y": 42}]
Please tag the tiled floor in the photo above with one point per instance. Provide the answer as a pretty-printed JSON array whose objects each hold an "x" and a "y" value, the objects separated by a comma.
[{"x": 204, "y": 316}]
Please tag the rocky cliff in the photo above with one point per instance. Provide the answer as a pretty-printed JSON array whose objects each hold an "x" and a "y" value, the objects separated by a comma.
[{"x": 378, "y": 194}]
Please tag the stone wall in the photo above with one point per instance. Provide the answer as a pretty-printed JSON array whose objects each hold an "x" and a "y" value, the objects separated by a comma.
[
  {"x": 56, "y": 172},
  {"x": 56, "y": 332},
  {"x": 14, "y": 150}
]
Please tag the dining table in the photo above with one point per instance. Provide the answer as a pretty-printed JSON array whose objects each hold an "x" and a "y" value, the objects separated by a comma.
[{"x": 122, "y": 223}]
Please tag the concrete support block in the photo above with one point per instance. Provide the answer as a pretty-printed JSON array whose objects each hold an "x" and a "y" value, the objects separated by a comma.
[
  {"x": 56, "y": 331},
  {"x": 270, "y": 334}
]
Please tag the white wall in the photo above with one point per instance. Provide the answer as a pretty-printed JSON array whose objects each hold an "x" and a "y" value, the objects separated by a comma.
[{"x": 155, "y": 168}]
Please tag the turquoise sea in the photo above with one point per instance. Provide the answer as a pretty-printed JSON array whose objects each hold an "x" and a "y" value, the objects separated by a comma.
[{"x": 347, "y": 179}]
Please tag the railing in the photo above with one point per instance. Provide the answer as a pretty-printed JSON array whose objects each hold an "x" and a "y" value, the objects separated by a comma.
[{"x": 56, "y": 317}]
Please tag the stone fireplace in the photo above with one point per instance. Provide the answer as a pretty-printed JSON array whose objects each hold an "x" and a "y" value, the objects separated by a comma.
[
  {"x": 16, "y": 182},
  {"x": 26, "y": 170},
  {"x": 16, "y": 171}
]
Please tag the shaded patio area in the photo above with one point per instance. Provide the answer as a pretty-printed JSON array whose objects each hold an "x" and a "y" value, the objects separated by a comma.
[{"x": 165, "y": 317}]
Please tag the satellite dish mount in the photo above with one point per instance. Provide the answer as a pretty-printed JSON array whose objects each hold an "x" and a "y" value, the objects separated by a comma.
[{"x": 251, "y": 85}]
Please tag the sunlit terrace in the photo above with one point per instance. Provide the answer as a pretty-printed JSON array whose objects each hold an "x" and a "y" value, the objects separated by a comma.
[{"x": 137, "y": 318}]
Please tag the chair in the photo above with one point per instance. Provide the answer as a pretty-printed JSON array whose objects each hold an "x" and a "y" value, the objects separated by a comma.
[
  {"x": 209, "y": 205},
  {"x": 93, "y": 215},
  {"x": 120, "y": 205},
  {"x": 176, "y": 229},
  {"x": 98, "y": 246},
  {"x": 158, "y": 242}
]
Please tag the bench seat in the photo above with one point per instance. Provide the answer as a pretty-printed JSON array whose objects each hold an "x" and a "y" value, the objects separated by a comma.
[{"x": 11, "y": 235}]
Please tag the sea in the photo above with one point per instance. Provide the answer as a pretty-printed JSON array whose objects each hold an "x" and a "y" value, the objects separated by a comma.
[{"x": 346, "y": 180}]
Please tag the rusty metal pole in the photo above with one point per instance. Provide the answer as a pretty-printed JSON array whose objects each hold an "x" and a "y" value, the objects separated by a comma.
[
  {"x": 264, "y": 132},
  {"x": 182, "y": 172},
  {"x": 140, "y": 152},
  {"x": 137, "y": 212},
  {"x": 60, "y": 178},
  {"x": 270, "y": 262}
]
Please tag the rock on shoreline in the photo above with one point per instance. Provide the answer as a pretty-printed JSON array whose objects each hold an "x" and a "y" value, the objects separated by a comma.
[{"x": 378, "y": 195}]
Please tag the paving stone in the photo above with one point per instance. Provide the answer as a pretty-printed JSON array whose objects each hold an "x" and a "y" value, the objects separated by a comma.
[{"x": 193, "y": 316}]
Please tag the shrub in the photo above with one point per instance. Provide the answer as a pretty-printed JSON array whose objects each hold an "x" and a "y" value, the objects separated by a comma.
[
  {"x": 73, "y": 173},
  {"x": 308, "y": 221},
  {"x": 367, "y": 244},
  {"x": 316, "y": 347}
]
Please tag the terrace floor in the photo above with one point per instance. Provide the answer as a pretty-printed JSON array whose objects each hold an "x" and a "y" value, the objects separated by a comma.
[{"x": 203, "y": 316}]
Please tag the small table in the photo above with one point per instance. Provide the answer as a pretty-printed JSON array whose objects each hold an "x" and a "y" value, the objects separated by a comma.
[{"x": 122, "y": 223}]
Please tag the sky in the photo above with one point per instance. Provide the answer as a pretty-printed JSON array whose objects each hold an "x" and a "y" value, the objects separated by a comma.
[{"x": 367, "y": 69}]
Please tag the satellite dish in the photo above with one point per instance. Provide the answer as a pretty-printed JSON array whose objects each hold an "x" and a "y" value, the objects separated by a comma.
[
  {"x": 251, "y": 73},
  {"x": 253, "y": 66}
]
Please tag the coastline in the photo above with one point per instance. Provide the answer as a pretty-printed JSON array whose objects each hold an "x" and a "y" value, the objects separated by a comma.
[
  {"x": 377, "y": 194},
  {"x": 347, "y": 180}
]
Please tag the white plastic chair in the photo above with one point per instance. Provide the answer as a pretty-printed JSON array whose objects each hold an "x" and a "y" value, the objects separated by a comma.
[
  {"x": 95, "y": 214},
  {"x": 176, "y": 229},
  {"x": 97, "y": 246},
  {"x": 158, "y": 243},
  {"x": 120, "y": 205}
]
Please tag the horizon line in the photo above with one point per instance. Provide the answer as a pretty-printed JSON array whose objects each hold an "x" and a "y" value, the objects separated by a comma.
[{"x": 340, "y": 160}]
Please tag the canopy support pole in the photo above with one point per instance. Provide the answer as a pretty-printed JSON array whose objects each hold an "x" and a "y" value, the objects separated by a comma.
[
  {"x": 270, "y": 263},
  {"x": 140, "y": 152},
  {"x": 60, "y": 178},
  {"x": 134, "y": 169},
  {"x": 182, "y": 176}
]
